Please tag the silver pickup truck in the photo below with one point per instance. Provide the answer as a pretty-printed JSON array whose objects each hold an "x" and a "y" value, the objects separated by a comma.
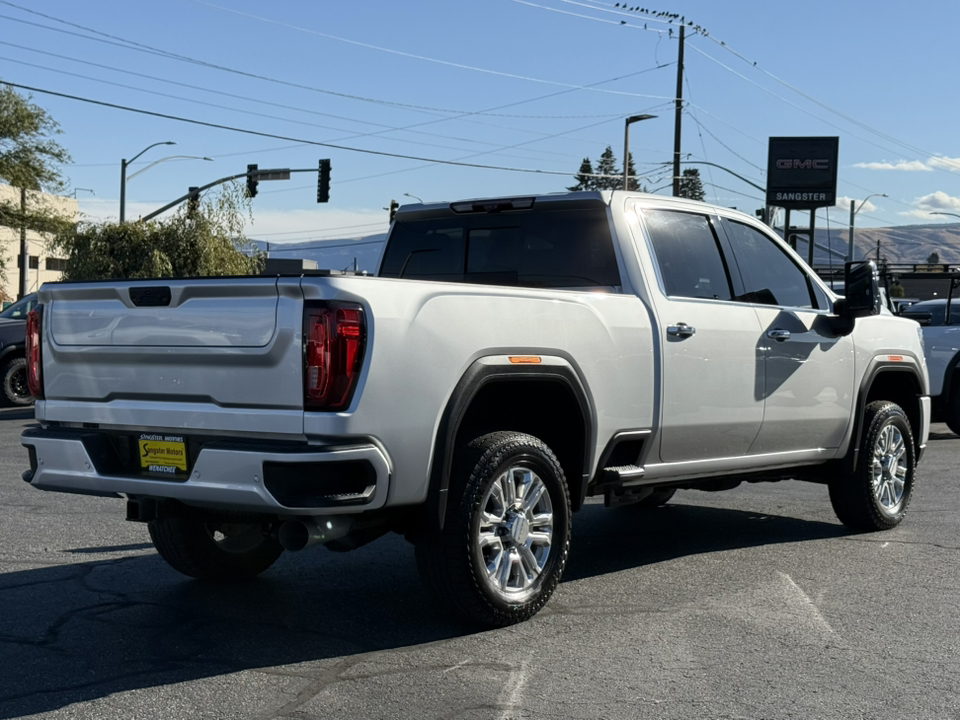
[{"x": 512, "y": 357}]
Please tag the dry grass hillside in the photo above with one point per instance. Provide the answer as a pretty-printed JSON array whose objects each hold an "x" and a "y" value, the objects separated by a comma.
[{"x": 902, "y": 244}]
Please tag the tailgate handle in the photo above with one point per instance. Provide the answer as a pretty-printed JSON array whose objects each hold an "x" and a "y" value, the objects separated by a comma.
[{"x": 150, "y": 296}]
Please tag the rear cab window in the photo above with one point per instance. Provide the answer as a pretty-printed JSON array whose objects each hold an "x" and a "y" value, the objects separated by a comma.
[{"x": 543, "y": 246}]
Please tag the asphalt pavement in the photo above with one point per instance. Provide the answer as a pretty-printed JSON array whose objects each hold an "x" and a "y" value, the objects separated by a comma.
[{"x": 751, "y": 603}]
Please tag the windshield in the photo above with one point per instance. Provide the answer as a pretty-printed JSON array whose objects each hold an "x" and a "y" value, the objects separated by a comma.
[{"x": 19, "y": 310}]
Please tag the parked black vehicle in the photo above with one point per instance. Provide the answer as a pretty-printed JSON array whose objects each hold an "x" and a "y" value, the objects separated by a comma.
[{"x": 13, "y": 364}]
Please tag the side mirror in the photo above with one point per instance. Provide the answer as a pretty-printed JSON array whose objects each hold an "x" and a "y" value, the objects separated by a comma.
[{"x": 862, "y": 286}]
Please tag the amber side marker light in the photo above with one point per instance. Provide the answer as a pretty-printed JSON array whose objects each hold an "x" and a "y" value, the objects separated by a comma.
[
  {"x": 895, "y": 358},
  {"x": 525, "y": 359}
]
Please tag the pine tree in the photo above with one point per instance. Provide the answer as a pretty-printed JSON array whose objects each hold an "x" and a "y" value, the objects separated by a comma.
[
  {"x": 584, "y": 178},
  {"x": 632, "y": 182},
  {"x": 690, "y": 185},
  {"x": 607, "y": 166}
]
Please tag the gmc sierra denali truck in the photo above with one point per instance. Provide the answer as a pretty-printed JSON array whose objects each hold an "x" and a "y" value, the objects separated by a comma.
[{"x": 511, "y": 357}]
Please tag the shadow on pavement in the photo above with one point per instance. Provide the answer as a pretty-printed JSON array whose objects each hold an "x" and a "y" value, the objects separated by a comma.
[{"x": 76, "y": 632}]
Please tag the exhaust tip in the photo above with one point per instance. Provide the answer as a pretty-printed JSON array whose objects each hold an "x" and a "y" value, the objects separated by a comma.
[{"x": 294, "y": 535}]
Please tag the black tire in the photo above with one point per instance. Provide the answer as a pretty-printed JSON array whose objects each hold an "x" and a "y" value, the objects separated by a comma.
[
  {"x": 216, "y": 551},
  {"x": 15, "y": 388},
  {"x": 481, "y": 564},
  {"x": 876, "y": 495},
  {"x": 952, "y": 412}
]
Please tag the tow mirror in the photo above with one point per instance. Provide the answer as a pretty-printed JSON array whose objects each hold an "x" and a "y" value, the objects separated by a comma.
[{"x": 862, "y": 286}]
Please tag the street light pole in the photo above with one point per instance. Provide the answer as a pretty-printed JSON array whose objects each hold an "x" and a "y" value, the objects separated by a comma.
[
  {"x": 414, "y": 197},
  {"x": 164, "y": 159},
  {"x": 626, "y": 144},
  {"x": 853, "y": 212},
  {"x": 956, "y": 215},
  {"x": 123, "y": 176}
]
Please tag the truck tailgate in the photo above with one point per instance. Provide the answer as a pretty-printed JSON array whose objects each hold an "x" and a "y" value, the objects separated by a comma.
[{"x": 174, "y": 353}]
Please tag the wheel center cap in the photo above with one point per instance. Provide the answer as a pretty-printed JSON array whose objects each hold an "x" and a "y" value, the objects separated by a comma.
[{"x": 519, "y": 529}]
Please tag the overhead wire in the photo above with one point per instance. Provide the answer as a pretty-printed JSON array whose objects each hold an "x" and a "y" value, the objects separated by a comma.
[{"x": 258, "y": 133}]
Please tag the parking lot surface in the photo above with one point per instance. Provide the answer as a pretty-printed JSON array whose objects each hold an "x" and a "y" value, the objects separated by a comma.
[{"x": 753, "y": 603}]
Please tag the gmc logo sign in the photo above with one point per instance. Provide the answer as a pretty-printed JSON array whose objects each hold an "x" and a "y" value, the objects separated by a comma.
[{"x": 795, "y": 164}]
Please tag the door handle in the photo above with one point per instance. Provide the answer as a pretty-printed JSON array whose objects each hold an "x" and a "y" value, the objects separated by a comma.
[
  {"x": 681, "y": 330},
  {"x": 779, "y": 335}
]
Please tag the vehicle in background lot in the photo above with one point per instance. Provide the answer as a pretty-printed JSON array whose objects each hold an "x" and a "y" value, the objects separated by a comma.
[
  {"x": 940, "y": 324},
  {"x": 513, "y": 357},
  {"x": 13, "y": 366}
]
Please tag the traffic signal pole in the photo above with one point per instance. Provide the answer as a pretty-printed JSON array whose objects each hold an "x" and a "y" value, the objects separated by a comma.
[{"x": 252, "y": 174}]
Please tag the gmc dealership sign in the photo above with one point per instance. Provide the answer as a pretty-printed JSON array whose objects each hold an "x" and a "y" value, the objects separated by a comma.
[{"x": 802, "y": 172}]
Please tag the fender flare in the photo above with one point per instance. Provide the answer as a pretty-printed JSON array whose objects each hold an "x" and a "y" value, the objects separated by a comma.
[
  {"x": 478, "y": 375},
  {"x": 851, "y": 459}
]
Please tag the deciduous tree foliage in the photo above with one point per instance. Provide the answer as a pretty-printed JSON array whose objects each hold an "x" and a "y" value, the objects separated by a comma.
[
  {"x": 30, "y": 161},
  {"x": 207, "y": 241}
]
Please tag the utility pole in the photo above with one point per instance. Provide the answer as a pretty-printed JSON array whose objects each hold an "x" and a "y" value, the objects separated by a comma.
[
  {"x": 24, "y": 247},
  {"x": 679, "y": 113}
]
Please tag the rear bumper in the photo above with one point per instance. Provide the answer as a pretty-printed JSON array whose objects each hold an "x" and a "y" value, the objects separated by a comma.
[{"x": 276, "y": 479}]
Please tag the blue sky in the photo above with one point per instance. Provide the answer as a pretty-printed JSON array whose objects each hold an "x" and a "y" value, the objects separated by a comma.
[{"x": 525, "y": 88}]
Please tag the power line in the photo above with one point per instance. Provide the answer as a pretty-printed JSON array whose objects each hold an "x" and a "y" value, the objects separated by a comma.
[
  {"x": 130, "y": 44},
  {"x": 258, "y": 133},
  {"x": 414, "y": 56}
]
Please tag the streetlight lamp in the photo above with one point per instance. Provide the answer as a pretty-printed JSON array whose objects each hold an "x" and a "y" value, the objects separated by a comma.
[
  {"x": 852, "y": 214},
  {"x": 626, "y": 143},
  {"x": 414, "y": 197},
  {"x": 956, "y": 215},
  {"x": 75, "y": 190},
  {"x": 164, "y": 159},
  {"x": 123, "y": 175}
]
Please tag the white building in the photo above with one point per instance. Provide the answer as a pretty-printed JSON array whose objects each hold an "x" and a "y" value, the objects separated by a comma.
[{"x": 43, "y": 267}]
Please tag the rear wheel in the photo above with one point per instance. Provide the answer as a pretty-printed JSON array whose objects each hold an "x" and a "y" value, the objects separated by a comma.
[
  {"x": 14, "y": 377},
  {"x": 506, "y": 537},
  {"x": 952, "y": 414},
  {"x": 876, "y": 495},
  {"x": 218, "y": 551}
]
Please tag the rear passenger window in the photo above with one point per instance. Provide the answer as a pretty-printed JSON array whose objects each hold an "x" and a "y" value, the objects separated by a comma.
[
  {"x": 769, "y": 275},
  {"x": 688, "y": 255},
  {"x": 542, "y": 249}
]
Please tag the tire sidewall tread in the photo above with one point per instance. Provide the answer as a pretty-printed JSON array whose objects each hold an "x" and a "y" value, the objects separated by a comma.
[{"x": 448, "y": 560}]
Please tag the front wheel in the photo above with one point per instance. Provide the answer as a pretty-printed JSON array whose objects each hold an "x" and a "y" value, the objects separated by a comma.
[
  {"x": 217, "y": 551},
  {"x": 506, "y": 537},
  {"x": 876, "y": 495}
]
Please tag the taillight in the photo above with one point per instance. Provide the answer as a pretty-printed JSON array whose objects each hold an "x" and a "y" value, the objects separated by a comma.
[
  {"x": 34, "y": 364},
  {"x": 333, "y": 337}
]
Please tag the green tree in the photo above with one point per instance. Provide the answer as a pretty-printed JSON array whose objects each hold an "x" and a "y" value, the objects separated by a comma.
[
  {"x": 207, "y": 240},
  {"x": 933, "y": 258},
  {"x": 608, "y": 175},
  {"x": 30, "y": 162},
  {"x": 584, "y": 178},
  {"x": 612, "y": 175},
  {"x": 690, "y": 185}
]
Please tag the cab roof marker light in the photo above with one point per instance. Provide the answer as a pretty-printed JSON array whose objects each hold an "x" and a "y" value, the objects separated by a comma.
[{"x": 493, "y": 205}]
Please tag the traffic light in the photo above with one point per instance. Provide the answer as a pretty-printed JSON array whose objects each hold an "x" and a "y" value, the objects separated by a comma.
[
  {"x": 193, "y": 202},
  {"x": 323, "y": 182},
  {"x": 394, "y": 205},
  {"x": 762, "y": 213},
  {"x": 252, "y": 181}
]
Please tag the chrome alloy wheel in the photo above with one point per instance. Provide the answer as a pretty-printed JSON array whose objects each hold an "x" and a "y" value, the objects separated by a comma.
[
  {"x": 889, "y": 468},
  {"x": 515, "y": 532}
]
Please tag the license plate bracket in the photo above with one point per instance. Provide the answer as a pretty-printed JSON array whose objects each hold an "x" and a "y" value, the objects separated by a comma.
[{"x": 163, "y": 454}]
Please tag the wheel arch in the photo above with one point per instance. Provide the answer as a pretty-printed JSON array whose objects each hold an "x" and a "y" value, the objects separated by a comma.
[
  {"x": 898, "y": 383},
  {"x": 478, "y": 406},
  {"x": 8, "y": 352}
]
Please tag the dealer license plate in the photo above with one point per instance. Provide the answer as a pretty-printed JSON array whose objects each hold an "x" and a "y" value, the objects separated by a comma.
[{"x": 166, "y": 454}]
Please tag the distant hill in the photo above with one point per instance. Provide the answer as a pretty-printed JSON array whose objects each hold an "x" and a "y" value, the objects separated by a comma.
[
  {"x": 362, "y": 253},
  {"x": 903, "y": 244}
]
